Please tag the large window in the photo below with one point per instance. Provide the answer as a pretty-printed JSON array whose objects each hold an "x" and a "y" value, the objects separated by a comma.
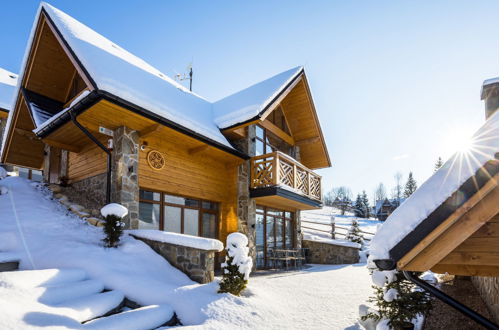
[
  {"x": 275, "y": 229},
  {"x": 267, "y": 142},
  {"x": 177, "y": 214}
]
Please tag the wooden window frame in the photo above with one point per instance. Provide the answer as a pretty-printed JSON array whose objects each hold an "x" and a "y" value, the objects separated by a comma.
[
  {"x": 285, "y": 219},
  {"x": 200, "y": 208}
]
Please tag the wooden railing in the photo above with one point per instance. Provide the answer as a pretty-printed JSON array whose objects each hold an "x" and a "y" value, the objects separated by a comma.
[{"x": 279, "y": 169}]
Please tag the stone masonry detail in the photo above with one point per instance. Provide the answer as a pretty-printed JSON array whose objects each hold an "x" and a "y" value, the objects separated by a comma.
[
  {"x": 198, "y": 264},
  {"x": 324, "y": 253},
  {"x": 488, "y": 287},
  {"x": 124, "y": 178}
]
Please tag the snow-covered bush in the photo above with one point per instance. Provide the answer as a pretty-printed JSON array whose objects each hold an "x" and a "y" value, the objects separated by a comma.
[
  {"x": 354, "y": 234},
  {"x": 113, "y": 227},
  {"x": 237, "y": 265},
  {"x": 398, "y": 301}
]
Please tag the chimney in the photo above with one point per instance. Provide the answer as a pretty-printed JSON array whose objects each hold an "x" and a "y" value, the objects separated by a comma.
[{"x": 490, "y": 94}]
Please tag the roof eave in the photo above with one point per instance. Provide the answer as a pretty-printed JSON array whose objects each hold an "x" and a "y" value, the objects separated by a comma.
[{"x": 469, "y": 188}]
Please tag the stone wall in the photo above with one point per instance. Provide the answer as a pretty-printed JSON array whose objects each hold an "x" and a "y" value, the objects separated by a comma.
[
  {"x": 125, "y": 166},
  {"x": 3, "y": 124},
  {"x": 488, "y": 287},
  {"x": 198, "y": 264},
  {"x": 324, "y": 253},
  {"x": 89, "y": 192}
]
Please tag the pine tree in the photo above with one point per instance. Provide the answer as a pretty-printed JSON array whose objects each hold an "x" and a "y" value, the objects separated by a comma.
[
  {"x": 410, "y": 186},
  {"x": 358, "y": 207},
  {"x": 237, "y": 265},
  {"x": 113, "y": 229},
  {"x": 399, "y": 302},
  {"x": 354, "y": 234},
  {"x": 365, "y": 203},
  {"x": 439, "y": 163}
]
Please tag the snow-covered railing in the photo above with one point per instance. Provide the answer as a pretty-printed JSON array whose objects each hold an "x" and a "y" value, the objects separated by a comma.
[{"x": 277, "y": 168}]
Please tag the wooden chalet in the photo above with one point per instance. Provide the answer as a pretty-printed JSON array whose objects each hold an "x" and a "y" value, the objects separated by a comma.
[
  {"x": 459, "y": 232},
  {"x": 113, "y": 128}
]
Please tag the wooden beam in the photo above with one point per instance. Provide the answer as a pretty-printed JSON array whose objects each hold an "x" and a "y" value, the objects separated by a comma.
[
  {"x": 62, "y": 145},
  {"x": 308, "y": 141},
  {"x": 467, "y": 270},
  {"x": 277, "y": 131},
  {"x": 26, "y": 133},
  {"x": 199, "y": 149},
  {"x": 465, "y": 221},
  {"x": 149, "y": 130}
]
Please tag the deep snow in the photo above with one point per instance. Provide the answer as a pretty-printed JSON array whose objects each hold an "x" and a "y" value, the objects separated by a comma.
[{"x": 311, "y": 298}]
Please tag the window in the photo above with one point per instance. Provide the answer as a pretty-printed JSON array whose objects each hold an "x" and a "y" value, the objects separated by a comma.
[
  {"x": 274, "y": 230},
  {"x": 178, "y": 214},
  {"x": 267, "y": 142},
  {"x": 277, "y": 118}
]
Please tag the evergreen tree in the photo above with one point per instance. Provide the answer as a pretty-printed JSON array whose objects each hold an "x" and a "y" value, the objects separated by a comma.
[
  {"x": 365, "y": 203},
  {"x": 237, "y": 265},
  {"x": 358, "y": 207},
  {"x": 438, "y": 164},
  {"x": 113, "y": 227},
  {"x": 398, "y": 301},
  {"x": 354, "y": 234},
  {"x": 410, "y": 186}
]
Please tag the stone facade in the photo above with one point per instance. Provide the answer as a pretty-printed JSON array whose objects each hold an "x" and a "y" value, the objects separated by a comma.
[
  {"x": 3, "y": 124},
  {"x": 89, "y": 192},
  {"x": 324, "y": 253},
  {"x": 125, "y": 166},
  {"x": 488, "y": 287},
  {"x": 198, "y": 264}
]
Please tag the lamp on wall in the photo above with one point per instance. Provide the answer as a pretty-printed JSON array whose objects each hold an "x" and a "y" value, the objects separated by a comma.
[{"x": 143, "y": 147}]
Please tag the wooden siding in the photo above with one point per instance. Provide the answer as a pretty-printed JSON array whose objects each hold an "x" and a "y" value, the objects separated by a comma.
[
  {"x": 196, "y": 175},
  {"x": 89, "y": 162}
]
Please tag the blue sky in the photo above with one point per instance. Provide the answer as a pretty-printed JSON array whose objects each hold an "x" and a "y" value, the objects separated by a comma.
[{"x": 395, "y": 84}]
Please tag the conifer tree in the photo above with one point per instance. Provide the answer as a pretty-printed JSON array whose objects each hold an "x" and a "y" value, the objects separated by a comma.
[
  {"x": 113, "y": 227},
  {"x": 439, "y": 163},
  {"x": 358, "y": 207},
  {"x": 365, "y": 203},
  {"x": 410, "y": 186},
  {"x": 354, "y": 234},
  {"x": 237, "y": 265},
  {"x": 397, "y": 300}
]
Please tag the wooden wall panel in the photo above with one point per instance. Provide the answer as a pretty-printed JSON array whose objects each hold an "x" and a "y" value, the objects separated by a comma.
[
  {"x": 197, "y": 175},
  {"x": 89, "y": 162}
]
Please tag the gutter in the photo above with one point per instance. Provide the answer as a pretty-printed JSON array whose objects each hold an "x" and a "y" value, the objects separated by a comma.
[
  {"x": 478, "y": 318},
  {"x": 96, "y": 96},
  {"x": 100, "y": 145}
]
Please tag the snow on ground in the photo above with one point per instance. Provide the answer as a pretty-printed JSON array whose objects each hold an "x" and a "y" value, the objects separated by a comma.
[
  {"x": 322, "y": 220},
  {"x": 311, "y": 298}
]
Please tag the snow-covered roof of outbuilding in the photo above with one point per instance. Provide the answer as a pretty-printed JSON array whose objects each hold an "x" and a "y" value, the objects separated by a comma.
[
  {"x": 8, "y": 82},
  {"x": 462, "y": 167},
  {"x": 250, "y": 102}
]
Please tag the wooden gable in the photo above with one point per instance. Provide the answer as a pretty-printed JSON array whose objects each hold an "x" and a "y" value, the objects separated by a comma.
[
  {"x": 300, "y": 124},
  {"x": 51, "y": 72},
  {"x": 466, "y": 243}
]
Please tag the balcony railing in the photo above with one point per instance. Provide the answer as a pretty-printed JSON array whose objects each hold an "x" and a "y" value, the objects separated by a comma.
[{"x": 279, "y": 169}]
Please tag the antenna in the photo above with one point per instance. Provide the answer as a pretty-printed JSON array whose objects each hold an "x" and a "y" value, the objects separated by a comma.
[{"x": 186, "y": 76}]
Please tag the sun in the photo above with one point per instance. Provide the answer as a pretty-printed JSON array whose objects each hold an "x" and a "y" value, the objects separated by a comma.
[{"x": 458, "y": 141}]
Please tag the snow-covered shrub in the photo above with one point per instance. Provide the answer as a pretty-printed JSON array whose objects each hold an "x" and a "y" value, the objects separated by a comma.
[
  {"x": 237, "y": 265},
  {"x": 113, "y": 227},
  {"x": 397, "y": 300},
  {"x": 354, "y": 234}
]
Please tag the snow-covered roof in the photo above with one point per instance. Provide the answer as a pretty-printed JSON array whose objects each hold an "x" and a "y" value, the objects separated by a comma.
[
  {"x": 250, "y": 102},
  {"x": 437, "y": 189},
  {"x": 8, "y": 82},
  {"x": 122, "y": 74}
]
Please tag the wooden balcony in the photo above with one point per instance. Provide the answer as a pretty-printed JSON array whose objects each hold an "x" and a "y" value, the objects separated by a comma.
[{"x": 278, "y": 170}]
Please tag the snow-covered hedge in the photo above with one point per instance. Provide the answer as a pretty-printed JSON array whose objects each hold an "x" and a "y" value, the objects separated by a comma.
[{"x": 195, "y": 242}]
